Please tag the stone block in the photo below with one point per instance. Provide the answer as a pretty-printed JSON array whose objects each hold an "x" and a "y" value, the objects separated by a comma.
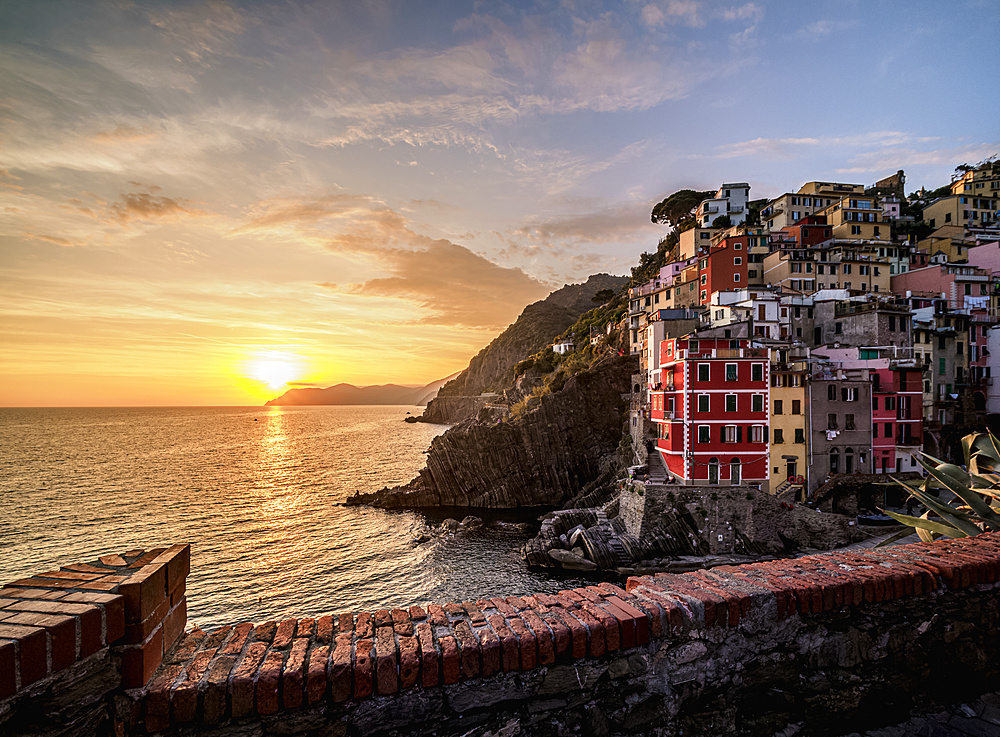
[{"x": 143, "y": 591}]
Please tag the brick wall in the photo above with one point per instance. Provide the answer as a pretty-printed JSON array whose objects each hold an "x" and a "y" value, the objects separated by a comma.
[
  {"x": 132, "y": 604},
  {"x": 823, "y": 639}
]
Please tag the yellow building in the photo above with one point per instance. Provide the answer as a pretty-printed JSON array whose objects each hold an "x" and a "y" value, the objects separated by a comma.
[
  {"x": 857, "y": 217},
  {"x": 789, "y": 451},
  {"x": 983, "y": 181},
  {"x": 693, "y": 240},
  {"x": 963, "y": 210}
]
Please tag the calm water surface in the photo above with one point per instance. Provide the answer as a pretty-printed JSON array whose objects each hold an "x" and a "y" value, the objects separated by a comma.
[{"x": 256, "y": 491}]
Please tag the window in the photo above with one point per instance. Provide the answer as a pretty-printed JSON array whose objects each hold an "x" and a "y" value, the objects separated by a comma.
[
  {"x": 959, "y": 348},
  {"x": 736, "y": 277},
  {"x": 704, "y": 434},
  {"x": 731, "y": 434},
  {"x": 730, "y": 403},
  {"x": 757, "y": 434},
  {"x": 738, "y": 261},
  {"x": 890, "y": 403},
  {"x": 940, "y": 367},
  {"x": 874, "y": 402},
  {"x": 831, "y": 422},
  {"x": 838, "y": 328},
  {"x": 778, "y": 407},
  {"x": 778, "y": 437},
  {"x": 731, "y": 372},
  {"x": 757, "y": 403},
  {"x": 757, "y": 372},
  {"x": 703, "y": 371},
  {"x": 849, "y": 394},
  {"x": 834, "y": 461},
  {"x": 800, "y": 435},
  {"x": 848, "y": 422},
  {"x": 703, "y": 402},
  {"x": 892, "y": 323},
  {"x": 855, "y": 230},
  {"x": 796, "y": 407},
  {"x": 831, "y": 392},
  {"x": 693, "y": 346}
]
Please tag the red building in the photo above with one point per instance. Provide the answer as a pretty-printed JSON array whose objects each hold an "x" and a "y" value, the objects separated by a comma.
[
  {"x": 810, "y": 231},
  {"x": 711, "y": 410},
  {"x": 897, "y": 418},
  {"x": 723, "y": 267}
]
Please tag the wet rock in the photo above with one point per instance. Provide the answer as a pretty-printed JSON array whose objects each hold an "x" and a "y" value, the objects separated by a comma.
[
  {"x": 450, "y": 525},
  {"x": 571, "y": 561},
  {"x": 472, "y": 523}
]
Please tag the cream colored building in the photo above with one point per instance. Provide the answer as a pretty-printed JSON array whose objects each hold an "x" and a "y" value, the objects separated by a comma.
[{"x": 789, "y": 449}]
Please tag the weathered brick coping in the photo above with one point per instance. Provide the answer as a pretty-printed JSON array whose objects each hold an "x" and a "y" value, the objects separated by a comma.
[
  {"x": 251, "y": 671},
  {"x": 134, "y": 601}
]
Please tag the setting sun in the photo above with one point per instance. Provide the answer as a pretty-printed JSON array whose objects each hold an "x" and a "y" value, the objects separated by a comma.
[{"x": 275, "y": 372}]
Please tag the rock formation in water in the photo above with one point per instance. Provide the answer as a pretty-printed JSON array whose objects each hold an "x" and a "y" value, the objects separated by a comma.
[
  {"x": 543, "y": 457},
  {"x": 350, "y": 394},
  {"x": 492, "y": 369}
]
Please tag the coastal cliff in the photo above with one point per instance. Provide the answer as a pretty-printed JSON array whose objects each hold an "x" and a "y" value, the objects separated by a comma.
[
  {"x": 542, "y": 457},
  {"x": 492, "y": 369}
]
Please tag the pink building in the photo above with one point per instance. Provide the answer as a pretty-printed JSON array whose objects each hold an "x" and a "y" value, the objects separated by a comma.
[{"x": 964, "y": 286}]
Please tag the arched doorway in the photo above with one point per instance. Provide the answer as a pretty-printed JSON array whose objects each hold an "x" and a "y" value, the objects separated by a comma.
[
  {"x": 834, "y": 461},
  {"x": 735, "y": 472},
  {"x": 713, "y": 470},
  {"x": 849, "y": 460}
]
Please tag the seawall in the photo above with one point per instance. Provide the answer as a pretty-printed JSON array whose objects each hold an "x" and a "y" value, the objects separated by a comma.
[{"x": 830, "y": 642}]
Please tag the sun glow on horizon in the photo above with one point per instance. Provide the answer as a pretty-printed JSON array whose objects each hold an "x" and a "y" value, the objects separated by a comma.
[{"x": 275, "y": 370}]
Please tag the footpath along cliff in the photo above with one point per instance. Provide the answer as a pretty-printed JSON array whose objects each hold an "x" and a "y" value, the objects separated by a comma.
[{"x": 544, "y": 456}]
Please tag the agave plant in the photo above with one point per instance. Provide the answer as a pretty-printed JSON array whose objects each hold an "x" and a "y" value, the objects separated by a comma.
[{"x": 976, "y": 507}]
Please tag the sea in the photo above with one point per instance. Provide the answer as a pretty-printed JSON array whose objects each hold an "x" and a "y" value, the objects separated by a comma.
[{"x": 258, "y": 492}]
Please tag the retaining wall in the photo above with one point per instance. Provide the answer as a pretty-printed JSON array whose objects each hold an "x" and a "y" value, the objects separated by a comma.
[{"x": 829, "y": 643}]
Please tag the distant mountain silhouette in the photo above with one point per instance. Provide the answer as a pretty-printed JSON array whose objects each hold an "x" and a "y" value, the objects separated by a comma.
[{"x": 350, "y": 394}]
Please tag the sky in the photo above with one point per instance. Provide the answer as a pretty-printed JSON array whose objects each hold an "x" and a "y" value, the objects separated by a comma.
[{"x": 206, "y": 203}]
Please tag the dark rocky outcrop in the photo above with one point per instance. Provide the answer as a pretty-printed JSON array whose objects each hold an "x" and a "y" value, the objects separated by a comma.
[
  {"x": 350, "y": 394},
  {"x": 492, "y": 369},
  {"x": 543, "y": 457}
]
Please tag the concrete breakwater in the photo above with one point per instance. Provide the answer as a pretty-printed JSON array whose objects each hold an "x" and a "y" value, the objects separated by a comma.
[{"x": 825, "y": 642}]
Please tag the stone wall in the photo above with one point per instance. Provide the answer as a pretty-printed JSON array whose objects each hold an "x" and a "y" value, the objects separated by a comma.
[{"x": 823, "y": 644}]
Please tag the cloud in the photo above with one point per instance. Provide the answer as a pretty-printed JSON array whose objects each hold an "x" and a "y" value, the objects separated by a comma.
[
  {"x": 449, "y": 283},
  {"x": 687, "y": 12},
  {"x": 147, "y": 206},
  {"x": 822, "y": 28},
  {"x": 897, "y": 158},
  {"x": 55, "y": 240},
  {"x": 609, "y": 224},
  {"x": 788, "y": 148},
  {"x": 6, "y": 175},
  {"x": 125, "y": 133}
]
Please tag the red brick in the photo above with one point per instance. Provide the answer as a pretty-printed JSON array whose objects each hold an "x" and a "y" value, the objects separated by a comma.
[
  {"x": 451, "y": 660},
  {"x": 587, "y": 595},
  {"x": 216, "y": 685},
  {"x": 177, "y": 559},
  {"x": 293, "y": 675},
  {"x": 401, "y": 623},
  {"x": 516, "y": 603},
  {"x": 72, "y": 575},
  {"x": 86, "y": 568},
  {"x": 134, "y": 553},
  {"x": 560, "y": 634},
  {"x": 577, "y": 632},
  {"x": 143, "y": 592},
  {"x": 8, "y": 660},
  {"x": 543, "y": 637},
  {"x": 340, "y": 669},
  {"x": 324, "y": 630},
  {"x": 437, "y": 614},
  {"x": 101, "y": 585},
  {"x": 527, "y": 643},
  {"x": 508, "y": 643},
  {"x": 46, "y": 583},
  {"x": 146, "y": 558},
  {"x": 364, "y": 683},
  {"x": 306, "y": 628},
  {"x": 475, "y": 615},
  {"x": 177, "y": 594},
  {"x": 283, "y": 637},
  {"x": 612, "y": 635},
  {"x": 140, "y": 661},
  {"x": 533, "y": 603},
  {"x": 140, "y": 631},
  {"x": 47, "y": 594},
  {"x": 264, "y": 632},
  {"x": 173, "y": 624},
  {"x": 417, "y": 613},
  {"x": 269, "y": 683},
  {"x": 596, "y": 631},
  {"x": 186, "y": 647},
  {"x": 409, "y": 661},
  {"x": 469, "y": 644},
  {"x": 316, "y": 674},
  {"x": 364, "y": 627},
  {"x": 430, "y": 670},
  {"x": 51, "y": 607},
  {"x": 91, "y": 629},
  {"x": 31, "y": 651},
  {"x": 199, "y": 665},
  {"x": 626, "y": 624},
  {"x": 503, "y": 607},
  {"x": 383, "y": 618},
  {"x": 157, "y": 701},
  {"x": 238, "y": 638},
  {"x": 640, "y": 620},
  {"x": 184, "y": 702},
  {"x": 242, "y": 680},
  {"x": 61, "y": 633},
  {"x": 489, "y": 645},
  {"x": 113, "y": 560},
  {"x": 345, "y": 624},
  {"x": 571, "y": 595},
  {"x": 386, "y": 678},
  {"x": 454, "y": 610},
  {"x": 216, "y": 638}
]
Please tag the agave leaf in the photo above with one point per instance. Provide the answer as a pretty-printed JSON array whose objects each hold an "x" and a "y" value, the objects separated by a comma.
[
  {"x": 936, "y": 460},
  {"x": 926, "y": 535},
  {"x": 948, "y": 513},
  {"x": 967, "y": 447},
  {"x": 925, "y": 524},
  {"x": 981, "y": 444},
  {"x": 895, "y": 538},
  {"x": 967, "y": 495}
]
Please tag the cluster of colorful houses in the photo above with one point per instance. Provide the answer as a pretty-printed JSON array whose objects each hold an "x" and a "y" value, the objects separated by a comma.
[{"x": 819, "y": 342}]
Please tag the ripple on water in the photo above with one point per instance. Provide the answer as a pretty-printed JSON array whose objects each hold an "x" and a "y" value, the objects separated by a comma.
[{"x": 257, "y": 493}]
